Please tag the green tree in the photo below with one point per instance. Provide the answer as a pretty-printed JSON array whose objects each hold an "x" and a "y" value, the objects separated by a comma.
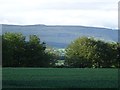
[
  {"x": 88, "y": 52},
  {"x": 12, "y": 47},
  {"x": 19, "y": 52},
  {"x": 116, "y": 48},
  {"x": 79, "y": 53},
  {"x": 105, "y": 54},
  {"x": 35, "y": 52}
]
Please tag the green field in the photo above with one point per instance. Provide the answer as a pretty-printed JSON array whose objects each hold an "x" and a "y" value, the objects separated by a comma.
[{"x": 59, "y": 78}]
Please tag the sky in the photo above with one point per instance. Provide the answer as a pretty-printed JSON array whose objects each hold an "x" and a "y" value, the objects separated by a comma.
[{"x": 97, "y": 13}]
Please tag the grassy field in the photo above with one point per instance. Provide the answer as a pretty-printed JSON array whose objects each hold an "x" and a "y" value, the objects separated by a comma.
[{"x": 59, "y": 78}]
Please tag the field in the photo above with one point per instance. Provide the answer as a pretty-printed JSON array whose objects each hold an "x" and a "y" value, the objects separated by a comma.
[{"x": 59, "y": 78}]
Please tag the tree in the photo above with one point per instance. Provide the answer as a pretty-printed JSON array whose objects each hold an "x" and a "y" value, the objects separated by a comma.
[
  {"x": 79, "y": 53},
  {"x": 32, "y": 50},
  {"x": 117, "y": 60},
  {"x": 88, "y": 52},
  {"x": 12, "y": 46},
  {"x": 105, "y": 54},
  {"x": 17, "y": 52}
]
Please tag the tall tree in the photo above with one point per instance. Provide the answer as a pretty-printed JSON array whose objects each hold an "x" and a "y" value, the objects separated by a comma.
[
  {"x": 19, "y": 52},
  {"x": 12, "y": 48},
  {"x": 88, "y": 52}
]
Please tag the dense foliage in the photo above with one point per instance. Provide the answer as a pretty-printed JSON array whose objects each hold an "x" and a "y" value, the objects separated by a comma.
[
  {"x": 88, "y": 52},
  {"x": 19, "y": 52},
  {"x": 83, "y": 52}
]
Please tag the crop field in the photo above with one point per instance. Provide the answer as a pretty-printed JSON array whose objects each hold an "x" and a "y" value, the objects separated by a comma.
[{"x": 59, "y": 78}]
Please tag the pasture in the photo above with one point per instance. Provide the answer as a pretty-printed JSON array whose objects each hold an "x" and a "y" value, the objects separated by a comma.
[{"x": 59, "y": 78}]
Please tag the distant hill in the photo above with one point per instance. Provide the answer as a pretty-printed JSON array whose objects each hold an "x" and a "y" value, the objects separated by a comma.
[{"x": 60, "y": 36}]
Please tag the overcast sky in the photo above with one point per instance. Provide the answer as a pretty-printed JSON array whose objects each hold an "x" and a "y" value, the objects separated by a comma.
[{"x": 98, "y": 13}]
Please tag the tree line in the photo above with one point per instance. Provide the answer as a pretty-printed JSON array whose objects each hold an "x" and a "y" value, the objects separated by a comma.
[
  {"x": 17, "y": 52},
  {"x": 81, "y": 53}
]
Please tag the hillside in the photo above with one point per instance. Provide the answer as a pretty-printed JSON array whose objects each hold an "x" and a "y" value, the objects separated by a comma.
[{"x": 60, "y": 36}]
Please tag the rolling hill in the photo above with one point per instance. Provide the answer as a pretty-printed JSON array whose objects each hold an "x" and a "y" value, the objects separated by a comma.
[{"x": 59, "y": 36}]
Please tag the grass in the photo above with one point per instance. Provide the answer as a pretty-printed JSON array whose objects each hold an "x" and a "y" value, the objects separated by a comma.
[{"x": 59, "y": 78}]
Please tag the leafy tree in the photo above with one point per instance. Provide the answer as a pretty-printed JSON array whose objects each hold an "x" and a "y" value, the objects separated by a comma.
[
  {"x": 117, "y": 60},
  {"x": 33, "y": 51},
  {"x": 105, "y": 54},
  {"x": 88, "y": 52},
  {"x": 19, "y": 52},
  {"x": 79, "y": 53},
  {"x": 12, "y": 48}
]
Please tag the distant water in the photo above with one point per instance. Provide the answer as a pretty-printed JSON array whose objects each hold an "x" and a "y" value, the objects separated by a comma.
[{"x": 61, "y": 36}]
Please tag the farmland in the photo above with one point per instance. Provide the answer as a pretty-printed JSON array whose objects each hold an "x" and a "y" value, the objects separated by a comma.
[{"x": 59, "y": 78}]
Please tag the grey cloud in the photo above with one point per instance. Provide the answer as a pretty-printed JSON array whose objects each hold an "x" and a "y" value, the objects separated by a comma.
[{"x": 29, "y": 11}]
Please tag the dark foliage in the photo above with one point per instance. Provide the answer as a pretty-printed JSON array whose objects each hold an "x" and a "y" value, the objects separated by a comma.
[{"x": 17, "y": 52}]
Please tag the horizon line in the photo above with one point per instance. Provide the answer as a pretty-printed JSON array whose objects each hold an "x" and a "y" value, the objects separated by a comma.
[{"x": 61, "y": 25}]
